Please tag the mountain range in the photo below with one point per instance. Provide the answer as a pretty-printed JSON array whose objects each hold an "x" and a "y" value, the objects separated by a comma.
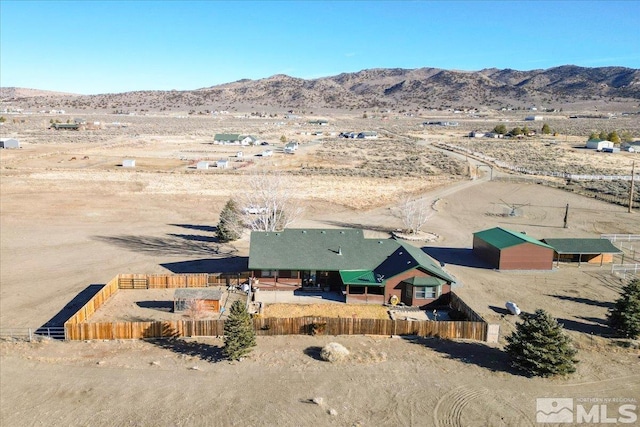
[{"x": 384, "y": 88}]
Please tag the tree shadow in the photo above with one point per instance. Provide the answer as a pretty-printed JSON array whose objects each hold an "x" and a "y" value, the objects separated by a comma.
[
  {"x": 456, "y": 256},
  {"x": 370, "y": 227},
  {"x": 166, "y": 306},
  {"x": 195, "y": 237},
  {"x": 474, "y": 353},
  {"x": 314, "y": 352},
  {"x": 600, "y": 328},
  {"x": 71, "y": 308},
  {"x": 232, "y": 264},
  {"x": 165, "y": 246},
  {"x": 203, "y": 351},
  {"x": 604, "y": 304},
  {"x": 207, "y": 228}
]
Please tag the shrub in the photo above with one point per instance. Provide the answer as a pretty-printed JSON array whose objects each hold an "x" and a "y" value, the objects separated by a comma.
[{"x": 334, "y": 352}]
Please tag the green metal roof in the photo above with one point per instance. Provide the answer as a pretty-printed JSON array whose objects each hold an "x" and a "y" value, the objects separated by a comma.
[
  {"x": 502, "y": 238},
  {"x": 360, "y": 277},
  {"x": 582, "y": 246},
  {"x": 424, "y": 282},
  {"x": 343, "y": 250},
  {"x": 226, "y": 137}
]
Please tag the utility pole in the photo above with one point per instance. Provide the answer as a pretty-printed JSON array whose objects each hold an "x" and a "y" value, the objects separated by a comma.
[
  {"x": 633, "y": 167},
  {"x": 566, "y": 215}
]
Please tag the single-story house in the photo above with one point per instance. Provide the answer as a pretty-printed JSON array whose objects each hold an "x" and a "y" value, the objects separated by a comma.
[
  {"x": 267, "y": 153},
  {"x": 183, "y": 297},
  {"x": 511, "y": 250},
  {"x": 129, "y": 163},
  {"x": 534, "y": 118},
  {"x": 592, "y": 251},
  {"x": 368, "y": 135},
  {"x": 598, "y": 144},
  {"x": 476, "y": 134},
  {"x": 65, "y": 126},
  {"x": 202, "y": 165},
  {"x": 234, "y": 139},
  {"x": 9, "y": 143},
  {"x": 320, "y": 122},
  {"x": 632, "y": 147},
  {"x": 365, "y": 270},
  {"x": 223, "y": 163}
]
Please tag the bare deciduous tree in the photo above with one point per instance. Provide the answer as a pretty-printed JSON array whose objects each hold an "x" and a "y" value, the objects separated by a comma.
[
  {"x": 268, "y": 205},
  {"x": 195, "y": 309},
  {"x": 414, "y": 213}
]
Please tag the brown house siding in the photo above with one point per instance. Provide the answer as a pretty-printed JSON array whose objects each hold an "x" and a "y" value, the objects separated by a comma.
[
  {"x": 395, "y": 287},
  {"x": 486, "y": 252},
  {"x": 526, "y": 256}
]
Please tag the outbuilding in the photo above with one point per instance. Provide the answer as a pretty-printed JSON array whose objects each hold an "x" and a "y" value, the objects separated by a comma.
[
  {"x": 592, "y": 251},
  {"x": 9, "y": 143},
  {"x": 511, "y": 250},
  {"x": 183, "y": 298},
  {"x": 129, "y": 163},
  {"x": 598, "y": 144},
  {"x": 203, "y": 165}
]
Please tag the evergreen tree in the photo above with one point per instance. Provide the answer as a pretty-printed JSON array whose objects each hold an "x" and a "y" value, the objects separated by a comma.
[
  {"x": 546, "y": 130},
  {"x": 239, "y": 335},
  {"x": 516, "y": 131},
  {"x": 603, "y": 135},
  {"x": 593, "y": 136},
  {"x": 500, "y": 129},
  {"x": 625, "y": 316},
  {"x": 540, "y": 347},
  {"x": 230, "y": 226}
]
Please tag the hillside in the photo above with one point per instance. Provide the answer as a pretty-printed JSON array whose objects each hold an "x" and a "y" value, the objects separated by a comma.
[{"x": 387, "y": 88}]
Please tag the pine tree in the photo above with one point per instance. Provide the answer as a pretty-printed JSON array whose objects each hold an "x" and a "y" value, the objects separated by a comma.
[
  {"x": 230, "y": 226},
  {"x": 540, "y": 347},
  {"x": 625, "y": 316},
  {"x": 239, "y": 335},
  {"x": 546, "y": 130}
]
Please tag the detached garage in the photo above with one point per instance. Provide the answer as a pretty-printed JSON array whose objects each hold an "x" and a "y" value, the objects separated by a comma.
[{"x": 511, "y": 250}]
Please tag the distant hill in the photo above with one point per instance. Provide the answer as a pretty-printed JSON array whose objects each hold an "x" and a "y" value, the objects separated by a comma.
[{"x": 387, "y": 88}]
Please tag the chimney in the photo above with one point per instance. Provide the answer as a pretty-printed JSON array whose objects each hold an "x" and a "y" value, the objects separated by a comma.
[{"x": 339, "y": 250}]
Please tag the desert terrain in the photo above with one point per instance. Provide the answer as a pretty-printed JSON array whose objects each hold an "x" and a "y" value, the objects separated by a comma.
[{"x": 72, "y": 216}]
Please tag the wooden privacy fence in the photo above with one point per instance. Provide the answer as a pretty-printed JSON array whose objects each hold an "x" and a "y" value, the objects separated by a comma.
[
  {"x": 462, "y": 307},
  {"x": 161, "y": 281},
  {"x": 279, "y": 326},
  {"x": 87, "y": 310}
]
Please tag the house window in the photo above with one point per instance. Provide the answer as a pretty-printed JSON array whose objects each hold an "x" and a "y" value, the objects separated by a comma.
[
  {"x": 375, "y": 290},
  {"x": 268, "y": 273},
  {"x": 430, "y": 292},
  {"x": 356, "y": 290}
]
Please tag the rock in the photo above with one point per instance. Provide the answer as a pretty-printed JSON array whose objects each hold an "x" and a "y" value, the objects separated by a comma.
[{"x": 334, "y": 352}]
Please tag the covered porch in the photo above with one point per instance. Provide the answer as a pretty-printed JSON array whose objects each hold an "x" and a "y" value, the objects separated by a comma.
[{"x": 362, "y": 287}]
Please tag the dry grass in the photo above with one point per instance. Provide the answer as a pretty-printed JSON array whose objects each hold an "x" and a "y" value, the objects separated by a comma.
[{"x": 363, "y": 311}]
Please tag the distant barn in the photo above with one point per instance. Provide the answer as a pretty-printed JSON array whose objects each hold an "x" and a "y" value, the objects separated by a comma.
[{"x": 9, "y": 143}]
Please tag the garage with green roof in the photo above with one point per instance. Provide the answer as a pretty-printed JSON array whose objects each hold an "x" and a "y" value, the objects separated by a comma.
[
  {"x": 365, "y": 270},
  {"x": 505, "y": 249}
]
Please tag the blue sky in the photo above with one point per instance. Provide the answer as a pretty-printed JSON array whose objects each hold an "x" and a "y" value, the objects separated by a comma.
[{"x": 95, "y": 47}]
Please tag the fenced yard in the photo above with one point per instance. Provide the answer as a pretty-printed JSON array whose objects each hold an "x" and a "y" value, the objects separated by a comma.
[{"x": 78, "y": 327}]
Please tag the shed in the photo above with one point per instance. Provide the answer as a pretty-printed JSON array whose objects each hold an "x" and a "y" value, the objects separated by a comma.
[
  {"x": 184, "y": 296},
  {"x": 9, "y": 143},
  {"x": 511, "y": 250},
  {"x": 592, "y": 251},
  {"x": 223, "y": 163},
  {"x": 202, "y": 165},
  {"x": 598, "y": 144},
  {"x": 129, "y": 163}
]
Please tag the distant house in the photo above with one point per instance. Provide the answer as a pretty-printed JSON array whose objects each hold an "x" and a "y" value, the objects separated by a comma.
[
  {"x": 223, "y": 164},
  {"x": 129, "y": 163},
  {"x": 365, "y": 270},
  {"x": 599, "y": 144},
  {"x": 321, "y": 122},
  {"x": 368, "y": 135},
  {"x": 291, "y": 147},
  {"x": 267, "y": 153},
  {"x": 632, "y": 147},
  {"x": 534, "y": 118},
  {"x": 234, "y": 139},
  {"x": 202, "y": 165},
  {"x": 65, "y": 126},
  {"x": 476, "y": 134},
  {"x": 347, "y": 134},
  {"x": 9, "y": 143},
  {"x": 511, "y": 250}
]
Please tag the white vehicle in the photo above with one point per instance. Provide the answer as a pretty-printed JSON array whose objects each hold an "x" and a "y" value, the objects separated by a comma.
[{"x": 513, "y": 308}]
